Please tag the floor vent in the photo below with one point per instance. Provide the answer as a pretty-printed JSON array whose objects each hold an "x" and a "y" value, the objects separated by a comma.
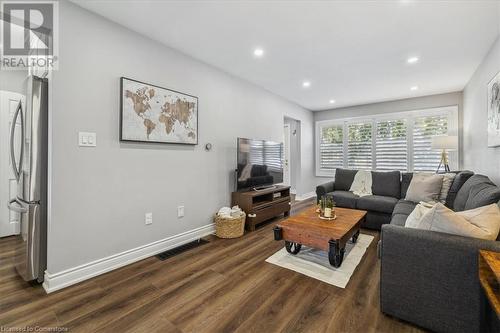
[{"x": 183, "y": 248}]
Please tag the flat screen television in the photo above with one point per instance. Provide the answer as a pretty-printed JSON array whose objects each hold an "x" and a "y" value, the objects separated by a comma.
[{"x": 260, "y": 164}]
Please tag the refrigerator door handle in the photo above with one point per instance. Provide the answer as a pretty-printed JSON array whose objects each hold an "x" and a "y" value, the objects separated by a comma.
[
  {"x": 16, "y": 206},
  {"x": 17, "y": 172}
]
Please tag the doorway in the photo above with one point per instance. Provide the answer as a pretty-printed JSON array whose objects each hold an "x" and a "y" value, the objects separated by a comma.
[
  {"x": 9, "y": 220},
  {"x": 291, "y": 147}
]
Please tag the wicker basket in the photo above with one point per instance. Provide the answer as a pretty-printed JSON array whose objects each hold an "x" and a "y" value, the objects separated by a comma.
[{"x": 229, "y": 227}]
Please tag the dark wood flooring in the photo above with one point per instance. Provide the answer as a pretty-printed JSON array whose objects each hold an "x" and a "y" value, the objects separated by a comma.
[{"x": 223, "y": 286}]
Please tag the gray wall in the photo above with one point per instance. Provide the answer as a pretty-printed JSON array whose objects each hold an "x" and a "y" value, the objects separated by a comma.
[
  {"x": 100, "y": 195},
  {"x": 12, "y": 80},
  {"x": 477, "y": 156},
  {"x": 417, "y": 103}
]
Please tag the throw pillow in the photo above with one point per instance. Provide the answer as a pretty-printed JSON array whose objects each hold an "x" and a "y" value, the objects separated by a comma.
[
  {"x": 424, "y": 187},
  {"x": 447, "y": 181},
  {"x": 482, "y": 222},
  {"x": 413, "y": 220}
]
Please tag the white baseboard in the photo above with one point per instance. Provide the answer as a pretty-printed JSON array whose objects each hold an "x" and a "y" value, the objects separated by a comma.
[
  {"x": 63, "y": 279},
  {"x": 305, "y": 196}
]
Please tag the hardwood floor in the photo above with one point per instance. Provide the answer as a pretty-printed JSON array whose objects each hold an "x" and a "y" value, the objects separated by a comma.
[{"x": 223, "y": 286}]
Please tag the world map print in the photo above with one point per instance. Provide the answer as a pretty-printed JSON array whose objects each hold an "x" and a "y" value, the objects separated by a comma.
[{"x": 154, "y": 114}]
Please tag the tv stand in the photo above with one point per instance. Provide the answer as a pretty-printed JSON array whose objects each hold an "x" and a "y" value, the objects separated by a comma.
[{"x": 262, "y": 205}]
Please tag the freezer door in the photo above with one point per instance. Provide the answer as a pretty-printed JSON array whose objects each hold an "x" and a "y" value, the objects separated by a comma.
[
  {"x": 29, "y": 253},
  {"x": 34, "y": 170}
]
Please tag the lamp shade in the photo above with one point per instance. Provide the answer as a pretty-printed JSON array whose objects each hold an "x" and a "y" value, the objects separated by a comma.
[{"x": 449, "y": 142}]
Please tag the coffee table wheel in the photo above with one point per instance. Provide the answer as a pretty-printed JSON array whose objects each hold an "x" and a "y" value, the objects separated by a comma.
[
  {"x": 335, "y": 254},
  {"x": 355, "y": 237},
  {"x": 292, "y": 248}
]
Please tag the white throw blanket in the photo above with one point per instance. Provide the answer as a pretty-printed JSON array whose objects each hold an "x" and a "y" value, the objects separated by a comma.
[{"x": 362, "y": 184}]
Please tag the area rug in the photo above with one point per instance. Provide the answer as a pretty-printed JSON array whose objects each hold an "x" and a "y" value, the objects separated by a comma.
[{"x": 314, "y": 263}]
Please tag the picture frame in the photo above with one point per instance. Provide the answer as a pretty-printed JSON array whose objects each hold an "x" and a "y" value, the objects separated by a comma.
[{"x": 153, "y": 114}]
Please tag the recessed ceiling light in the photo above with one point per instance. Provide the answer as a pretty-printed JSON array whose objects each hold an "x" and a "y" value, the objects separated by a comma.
[
  {"x": 414, "y": 88},
  {"x": 332, "y": 101},
  {"x": 412, "y": 60},
  {"x": 306, "y": 84},
  {"x": 258, "y": 52}
]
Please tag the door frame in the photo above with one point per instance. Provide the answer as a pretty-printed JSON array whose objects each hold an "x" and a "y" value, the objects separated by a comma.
[{"x": 287, "y": 165}]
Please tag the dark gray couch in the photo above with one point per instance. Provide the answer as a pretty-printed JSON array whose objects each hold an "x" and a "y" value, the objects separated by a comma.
[
  {"x": 386, "y": 189},
  {"x": 430, "y": 278},
  {"x": 427, "y": 278}
]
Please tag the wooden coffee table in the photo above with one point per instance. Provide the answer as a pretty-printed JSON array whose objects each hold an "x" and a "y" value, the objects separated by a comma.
[{"x": 306, "y": 228}]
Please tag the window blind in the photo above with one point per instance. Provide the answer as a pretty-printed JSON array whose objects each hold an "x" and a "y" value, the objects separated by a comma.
[
  {"x": 391, "y": 146},
  {"x": 331, "y": 147},
  {"x": 424, "y": 128},
  {"x": 359, "y": 146}
]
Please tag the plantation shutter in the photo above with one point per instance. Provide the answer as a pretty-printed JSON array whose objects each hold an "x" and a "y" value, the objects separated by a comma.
[
  {"x": 424, "y": 128},
  {"x": 359, "y": 145},
  {"x": 391, "y": 145},
  {"x": 331, "y": 148}
]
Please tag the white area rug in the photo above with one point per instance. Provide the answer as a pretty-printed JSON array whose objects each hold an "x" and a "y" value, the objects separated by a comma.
[{"x": 314, "y": 263}]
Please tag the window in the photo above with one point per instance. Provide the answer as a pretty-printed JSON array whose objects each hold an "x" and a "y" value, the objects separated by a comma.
[
  {"x": 424, "y": 128},
  {"x": 398, "y": 141},
  {"x": 331, "y": 147},
  {"x": 359, "y": 146},
  {"x": 391, "y": 147}
]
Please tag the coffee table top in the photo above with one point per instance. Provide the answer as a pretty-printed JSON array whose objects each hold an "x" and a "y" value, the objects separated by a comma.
[{"x": 309, "y": 222}]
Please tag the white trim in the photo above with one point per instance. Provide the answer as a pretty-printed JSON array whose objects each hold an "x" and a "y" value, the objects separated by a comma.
[
  {"x": 451, "y": 110},
  {"x": 305, "y": 196},
  {"x": 68, "y": 277}
]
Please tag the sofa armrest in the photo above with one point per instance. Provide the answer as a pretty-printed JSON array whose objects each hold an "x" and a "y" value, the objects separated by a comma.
[
  {"x": 324, "y": 189},
  {"x": 431, "y": 278}
]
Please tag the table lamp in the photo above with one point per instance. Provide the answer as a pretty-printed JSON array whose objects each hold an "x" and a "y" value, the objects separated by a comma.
[{"x": 444, "y": 142}]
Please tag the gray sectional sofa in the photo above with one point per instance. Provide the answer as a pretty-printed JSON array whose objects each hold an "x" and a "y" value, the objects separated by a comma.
[{"x": 427, "y": 278}]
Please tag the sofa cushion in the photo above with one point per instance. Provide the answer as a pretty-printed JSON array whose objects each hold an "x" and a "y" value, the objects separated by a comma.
[
  {"x": 424, "y": 187},
  {"x": 457, "y": 184},
  {"x": 399, "y": 219},
  {"x": 482, "y": 222},
  {"x": 485, "y": 193},
  {"x": 344, "y": 199},
  {"x": 447, "y": 181},
  {"x": 404, "y": 207},
  {"x": 405, "y": 183},
  {"x": 344, "y": 179},
  {"x": 377, "y": 203},
  {"x": 386, "y": 183},
  {"x": 482, "y": 195}
]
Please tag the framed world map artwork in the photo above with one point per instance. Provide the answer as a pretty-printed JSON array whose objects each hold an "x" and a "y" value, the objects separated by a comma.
[{"x": 153, "y": 114}]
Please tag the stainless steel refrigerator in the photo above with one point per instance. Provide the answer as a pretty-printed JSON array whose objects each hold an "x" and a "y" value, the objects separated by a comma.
[{"x": 29, "y": 163}]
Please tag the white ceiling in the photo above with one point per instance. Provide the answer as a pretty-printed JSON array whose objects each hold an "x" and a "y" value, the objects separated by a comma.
[{"x": 352, "y": 51}]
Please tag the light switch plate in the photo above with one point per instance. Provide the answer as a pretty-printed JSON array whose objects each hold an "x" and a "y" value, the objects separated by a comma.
[
  {"x": 148, "y": 218},
  {"x": 87, "y": 139},
  {"x": 180, "y": 211}
]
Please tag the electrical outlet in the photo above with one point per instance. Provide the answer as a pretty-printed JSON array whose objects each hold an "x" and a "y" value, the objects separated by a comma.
[
  {"x": 148, "y": 218},
  {"x": 180, "y": 211}
]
